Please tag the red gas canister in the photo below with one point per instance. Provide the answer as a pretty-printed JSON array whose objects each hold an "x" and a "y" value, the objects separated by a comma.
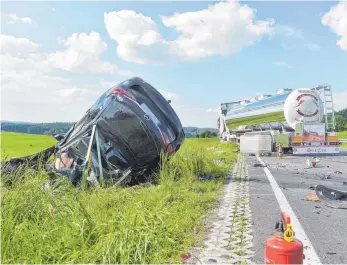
[{"x": 282, "y": 247}]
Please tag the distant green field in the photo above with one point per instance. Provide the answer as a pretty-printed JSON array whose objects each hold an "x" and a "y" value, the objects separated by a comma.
[
  {"x": 21, "y": 144},
  {"x": 343, "y": 135},
  {"x": 255, "y": 120}
]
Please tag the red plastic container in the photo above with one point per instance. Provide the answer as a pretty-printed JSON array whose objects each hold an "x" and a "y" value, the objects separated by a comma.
[{"x": 280, "y": 251}]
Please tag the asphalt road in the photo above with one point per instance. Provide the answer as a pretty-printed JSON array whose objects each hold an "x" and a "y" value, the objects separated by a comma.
[{"x": 325, "y": 227}]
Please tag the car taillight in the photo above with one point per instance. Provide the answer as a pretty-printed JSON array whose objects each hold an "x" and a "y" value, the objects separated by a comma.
[
  {"x": 164, "y": 138},
  {"x": 169, "y": 149},
  {"x": 121, "y": 91}
]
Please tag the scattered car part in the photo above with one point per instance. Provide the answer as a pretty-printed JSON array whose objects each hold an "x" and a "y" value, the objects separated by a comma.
[
  {"x": 326, "y": 193},
  {"x": 335, "y": 198}
]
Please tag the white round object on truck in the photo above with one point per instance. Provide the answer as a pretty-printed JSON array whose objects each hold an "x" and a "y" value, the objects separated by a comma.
[{"x": 303, "y": 105}]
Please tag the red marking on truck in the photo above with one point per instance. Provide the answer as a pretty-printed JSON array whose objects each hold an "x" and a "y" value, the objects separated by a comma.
[
  {"x": 306, "y": 95},
  {"x": 300, "y": 102},
  {"x": 307, "y": 115}
]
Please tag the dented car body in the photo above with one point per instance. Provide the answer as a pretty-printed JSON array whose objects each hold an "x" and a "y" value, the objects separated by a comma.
[{"x": 134, "y": 125}]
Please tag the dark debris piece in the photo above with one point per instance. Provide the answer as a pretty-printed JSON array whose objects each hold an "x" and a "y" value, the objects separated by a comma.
[
  {"x": 258, "y": 165},
  {"x": 208, "y": 177}
]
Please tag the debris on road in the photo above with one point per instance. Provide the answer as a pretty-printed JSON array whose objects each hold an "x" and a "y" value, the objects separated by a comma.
[
  {"x": 341, "y": 205},
  {"x": 258, "y": 165},
  {"x": 326, "y": 193},
  {"x": 312, "y": 196},
  {"x": 312, "y": 163},
  {"x": 326, "y": 177},
  {"x": 337, "y": 199}
]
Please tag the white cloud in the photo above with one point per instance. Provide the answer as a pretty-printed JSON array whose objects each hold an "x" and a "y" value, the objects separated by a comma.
[
  {"x": 108, "y": 84},
  {"x": 17, "y": 46},
  {"x": 196, "y": 116},
  {"x": 43, "y": 97},
  {"x": 13, "y": 18},
  {"x": 336, "y": 20},
  {"x": 221, "y": 29},
  {"x": 32, "y": 88},
  {"x": 212, "y": 110},
  {"x": 83, "y": 54},
  {"x": 136, "y": 36},
  {"x": 339, "y": 100},
  {"x": 282, "y": 64},
  {"x": 284, "y": 30},
  {"x": 293, "y": 38},
  {"x": 313, "y": 46},
  {"x": 168, "y": 95}
]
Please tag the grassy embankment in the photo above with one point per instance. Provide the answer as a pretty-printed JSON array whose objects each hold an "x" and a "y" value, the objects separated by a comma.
[
  {"x": 257, "y": 119},
  {"x": 343, "y": 135},
  {"x": 144, "y": 224}
]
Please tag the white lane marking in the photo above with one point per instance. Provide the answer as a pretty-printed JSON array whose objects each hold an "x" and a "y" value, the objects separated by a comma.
[{"x": 311, "y": 256}]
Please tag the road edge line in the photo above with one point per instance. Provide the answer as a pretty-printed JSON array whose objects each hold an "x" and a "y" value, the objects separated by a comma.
[{"x": 311, "y": 256}]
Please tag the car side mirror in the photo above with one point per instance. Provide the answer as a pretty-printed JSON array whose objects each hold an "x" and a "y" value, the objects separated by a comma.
[{"x": 169, "y": 101}]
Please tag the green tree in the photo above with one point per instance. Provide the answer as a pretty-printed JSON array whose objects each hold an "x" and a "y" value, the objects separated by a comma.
[{"x": 341, "y": 123}]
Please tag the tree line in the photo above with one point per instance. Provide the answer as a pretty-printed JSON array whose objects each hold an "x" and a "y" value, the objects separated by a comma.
[
  {"x": 341, "y": 120},
  {"x": 63, "y": 127},
  {"x": 206, "y": 134},
  {"x": 36, "y": 128}
]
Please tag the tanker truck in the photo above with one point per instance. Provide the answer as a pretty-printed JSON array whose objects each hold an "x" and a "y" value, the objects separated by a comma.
[{"x": 302, "y": 121}]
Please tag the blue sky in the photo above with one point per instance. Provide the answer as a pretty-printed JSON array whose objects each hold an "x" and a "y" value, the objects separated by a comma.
[{"x": 295, "y": 50}]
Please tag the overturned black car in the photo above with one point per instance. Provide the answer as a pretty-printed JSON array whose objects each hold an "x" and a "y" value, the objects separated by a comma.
[{"x": 120, "y": 139}]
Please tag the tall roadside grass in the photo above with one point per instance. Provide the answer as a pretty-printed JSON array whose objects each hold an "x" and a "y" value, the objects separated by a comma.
[{"x": 142, "y": 224}]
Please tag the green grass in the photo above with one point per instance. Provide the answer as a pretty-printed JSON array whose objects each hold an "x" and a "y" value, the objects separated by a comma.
[
  {"x": 255, "y": 120},
  {"x": 343, "y": 135},
  {"x": 143, "y": 224},
  {"x": 20, "y": 144}
]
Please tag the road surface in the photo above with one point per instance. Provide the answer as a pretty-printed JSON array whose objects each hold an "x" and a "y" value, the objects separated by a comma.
[{"x": 325, "y": 227}]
